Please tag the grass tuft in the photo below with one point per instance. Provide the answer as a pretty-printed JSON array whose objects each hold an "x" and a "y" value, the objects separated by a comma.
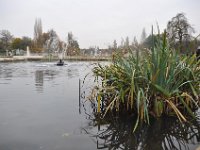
[{"x": 161, "y": 82}]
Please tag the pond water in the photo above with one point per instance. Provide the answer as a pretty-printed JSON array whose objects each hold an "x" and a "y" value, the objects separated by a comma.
[{"x": 40, "y": 110}]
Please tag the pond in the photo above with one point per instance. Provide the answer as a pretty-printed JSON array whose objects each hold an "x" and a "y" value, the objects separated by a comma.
[{"x": 40, "y": 109}]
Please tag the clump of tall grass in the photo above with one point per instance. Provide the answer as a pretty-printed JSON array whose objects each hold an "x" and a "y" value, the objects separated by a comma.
[{"x": 162, "y": 82}]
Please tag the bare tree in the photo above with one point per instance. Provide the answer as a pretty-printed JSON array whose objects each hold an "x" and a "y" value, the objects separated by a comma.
[
  {"x": 179, "y": 29},
  {"x": 5, "y": 39},
  {"x": 52, "y": 44},
  {"x": 72, "y": 45}
]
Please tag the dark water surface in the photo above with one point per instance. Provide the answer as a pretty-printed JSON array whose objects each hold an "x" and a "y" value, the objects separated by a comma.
[
  {"x": 39, "y": 110},
  {"x": 39, "y": 107}
]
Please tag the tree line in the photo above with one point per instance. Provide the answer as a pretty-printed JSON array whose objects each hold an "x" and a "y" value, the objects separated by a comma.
[
  {"x": 42, "y": 42},
  {"x": 179, "y": 34}
]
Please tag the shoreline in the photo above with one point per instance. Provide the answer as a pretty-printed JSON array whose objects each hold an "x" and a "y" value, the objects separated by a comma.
[{"x": 42, "y": 58}]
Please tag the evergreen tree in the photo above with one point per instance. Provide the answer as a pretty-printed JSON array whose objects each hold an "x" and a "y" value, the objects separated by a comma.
[
  {"x": 38, "y": 35},
  {"x": 143, "y": 36}
]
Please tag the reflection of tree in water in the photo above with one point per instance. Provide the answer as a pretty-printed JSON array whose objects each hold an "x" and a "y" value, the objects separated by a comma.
[
  {"x": 164, "y": 133},
  {"x": 50, "y": 74},
  {"x": 40, "y": 75},
  {"x": 39, "y": 80}
]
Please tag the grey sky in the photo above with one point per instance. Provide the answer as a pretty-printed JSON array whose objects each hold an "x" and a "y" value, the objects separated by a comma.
[{"x": 94, "y": 22}]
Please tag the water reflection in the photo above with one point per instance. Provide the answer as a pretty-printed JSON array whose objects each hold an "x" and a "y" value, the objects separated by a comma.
[
  {"x": 9, "y": 71},
  {"x": 44, "y": 75},
  {"x": 6, "y": 72},
  {"x": 72, "y": 72},
  {"x": 162, "y": 134},
  {"x": 39, "y": 80},
  {"x": 47, "y": 120}
]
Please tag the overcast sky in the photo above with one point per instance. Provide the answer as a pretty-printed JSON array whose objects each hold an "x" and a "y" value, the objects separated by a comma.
[{"x": 94, "y": 22}]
